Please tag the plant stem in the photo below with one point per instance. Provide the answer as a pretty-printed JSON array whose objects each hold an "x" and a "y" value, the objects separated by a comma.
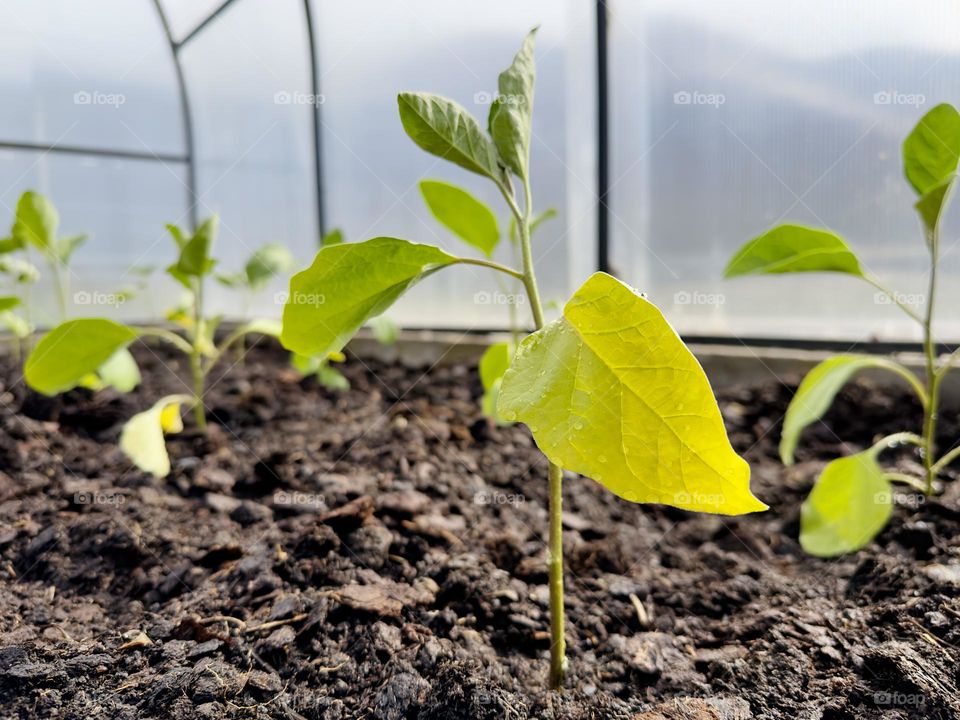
[
  {"x": 932, "y": 377},
  {"x": 196, "y": 356},
  {"x": 558, "y": 660},
  {"x": 492, "y": 265},
  {"x": 913, "y": 482},
  {"x": 59, "y": 283}
]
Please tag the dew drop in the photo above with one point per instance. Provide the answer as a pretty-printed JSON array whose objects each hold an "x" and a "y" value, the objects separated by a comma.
[
  {"x": 602, "y": 458},
  {"x": 578, "y": 426}
]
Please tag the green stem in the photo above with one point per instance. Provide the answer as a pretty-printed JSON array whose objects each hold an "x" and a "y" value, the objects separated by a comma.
[
  {"x": 915, "y": 483},
  {"x": 897, "y": 439},
  {"x": 893, "y": 297},
  {"x": 945, "y": 460},
  {"x": 167, "y": 336},
  {"x": 558, "y": 660},
  {"x": 196, "y": 356},
  {"x": 932, "y": 377},
  {"x": 59, "y": 284},
  {"x": 492, "y": 265}
]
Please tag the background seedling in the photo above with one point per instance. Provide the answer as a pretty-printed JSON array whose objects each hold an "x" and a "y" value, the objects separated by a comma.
[
  {"x": 608, "y": 389},
  {"x": 68, "y": 355},
  {"x": 852, "y": 499}
]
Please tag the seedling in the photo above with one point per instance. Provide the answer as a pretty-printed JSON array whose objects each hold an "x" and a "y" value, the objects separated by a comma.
[
  {"x": 608, "y": 390},
  {"x": 471, "y": 220},
  {"x": 68, "y": 355},
  {"x": 852, "y": 499}
]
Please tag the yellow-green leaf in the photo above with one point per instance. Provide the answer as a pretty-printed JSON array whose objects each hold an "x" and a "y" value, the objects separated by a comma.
[
  {"x": 493, "y": 365},
  {"x": 930, "y": 206},
  {"x": 73, "y": 350},
  {"x": 820, "y": 387},
  {"x": 931, "y": 150},
  {"x": 348, "y": 284},
  {"x": 793, "y": 248},
  {"x": 611, "y": 392},
  {"x": 850, "y": 503},
  {"x": 511, "y": 111},
  {"x": 120, "y": 371},
  {"x": 462, "y": 214},
  {"x": 142, "y": 436},
  {"x": 36, "y": 221}
]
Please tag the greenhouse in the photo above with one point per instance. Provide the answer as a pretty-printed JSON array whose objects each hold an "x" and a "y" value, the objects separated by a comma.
[{"x": 419, "y": 360}]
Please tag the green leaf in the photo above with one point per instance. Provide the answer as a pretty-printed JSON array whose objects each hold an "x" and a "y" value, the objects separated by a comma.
[
  {"x": 817, "y": 391},
  {"x": 930, "y": 206},
  {"x": 195, "y": 260},
  {"x": 611, "y": 392},
  {"x": 445, "y": 129},
  {"x": 266, "y": 263},
  {"x": 547, "y": 214},
  {"x": 65, "y": 247},
  {"x": 512, "y": 110},
  {"x": 8, "y": 302},
  {"x": 73, "y": 350},
  {"x": 461, "y": 213},
  {"x": 794, "y": 248},
  {"x": 347, "y": 285},
  {"x": 334, "y": 237},
  {"x": 332, "y": 378},
  {"x": 931, "y": 150},
  {"x": 142, "y": 436},
  {"x": 230, "y": 280},
  {"x": 36, "y": 221},
  {"x": 384, "y": 330},
  {"x": 493, "y": 365},
  {"x": 10, "y": 244},
  {"x": 178, "y": 235},
  {"x": 850, "y": 504},
  {"x": 120, "y": 371}
]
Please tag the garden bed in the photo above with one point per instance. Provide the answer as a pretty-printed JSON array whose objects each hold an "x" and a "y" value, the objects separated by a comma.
[{"x": 378, "y": 553}]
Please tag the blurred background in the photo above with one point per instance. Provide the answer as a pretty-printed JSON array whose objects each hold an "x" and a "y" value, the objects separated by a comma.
[{"x": 715, "y": 120}]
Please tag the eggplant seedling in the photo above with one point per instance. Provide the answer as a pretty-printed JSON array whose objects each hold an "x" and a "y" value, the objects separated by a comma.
[
  {"x": 608, "y": 390},
  {"x": 67, "y": 355},
  {"x": 852, "y": 500}
]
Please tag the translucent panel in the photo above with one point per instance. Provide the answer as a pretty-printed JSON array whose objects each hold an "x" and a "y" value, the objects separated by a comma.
[
  {"x": 248, "y": 77},
  {"x": 122, "y": 205},
  {"x": 371, "y": 50},
  {"x": 731, "y": 117},
  {"x": 92, "y": 74},
  {"x": 185, "y": 15}
]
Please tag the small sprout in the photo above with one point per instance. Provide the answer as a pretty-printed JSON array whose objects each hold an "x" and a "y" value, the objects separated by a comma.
[{"x": 851, "y": 501}]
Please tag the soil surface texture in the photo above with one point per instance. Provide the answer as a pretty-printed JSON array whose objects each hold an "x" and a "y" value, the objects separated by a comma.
[{"x": 379, "y": 553}]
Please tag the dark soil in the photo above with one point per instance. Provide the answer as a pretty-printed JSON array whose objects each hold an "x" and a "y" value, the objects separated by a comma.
[{"x": 379, "y": 554}]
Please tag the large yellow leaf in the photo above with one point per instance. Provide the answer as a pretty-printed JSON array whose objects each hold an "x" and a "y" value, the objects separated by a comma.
[{"x": 611, "y": 392}]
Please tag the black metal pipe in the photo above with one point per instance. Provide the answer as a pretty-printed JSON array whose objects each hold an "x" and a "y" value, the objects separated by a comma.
[
  {"x": 94, "y": 152},
  {"x": 317, "y": 134},
  {"x": 186, "y": 112},
  {"x": 603, "y": 141},
  {"x": 201, "y": 26}
]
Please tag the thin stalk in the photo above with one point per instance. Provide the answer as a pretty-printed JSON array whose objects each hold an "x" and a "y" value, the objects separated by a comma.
[
  {"x": 196, "y": 356},
  {"x": 915, "y": 483},
  {"x": 558, "y": 660},
  {"x": 59, "y": 283},
  {"x": 492, "y": 265},
  {"x": 893, "y": 297},
  {"x": 932, "y": 377},
  {"x": 897, "y": 439},
  {"x": 946, "y": 460}
]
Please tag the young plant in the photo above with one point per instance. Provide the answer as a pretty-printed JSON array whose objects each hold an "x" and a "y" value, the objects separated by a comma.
[
  {"x": 608, "y": 390},
  {"x": 852, "y": 499},
  {"x": 475, "y": 223},
  {"x": 67, "y": 356}
]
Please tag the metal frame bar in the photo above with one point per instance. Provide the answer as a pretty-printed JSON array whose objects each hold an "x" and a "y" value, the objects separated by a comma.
[
  {"x": 317, "y": 133},
  {"x": 603, "y": 140},
  {"x": 201, "y": 26},
  {"x": 93, "y": 151}
]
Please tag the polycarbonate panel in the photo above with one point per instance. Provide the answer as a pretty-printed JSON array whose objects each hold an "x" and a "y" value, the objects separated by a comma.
[
  {"x": 731, "y": 117},
  {"x": 97, "y": 74},
  {"x": 371, "y": 50},
  {"x": 248, "y": 78},
  {"x": 122, "y": 205}
]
